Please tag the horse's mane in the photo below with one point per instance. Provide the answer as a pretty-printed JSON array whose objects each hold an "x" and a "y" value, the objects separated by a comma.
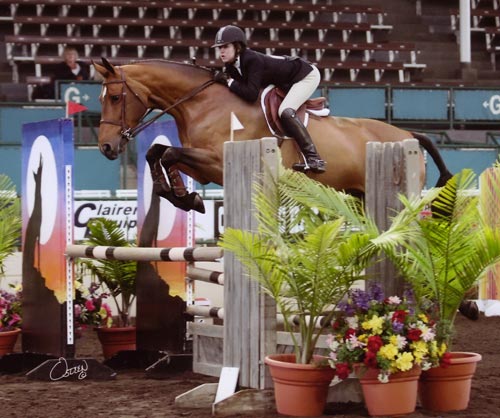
[{"x": 167, "y": 63}]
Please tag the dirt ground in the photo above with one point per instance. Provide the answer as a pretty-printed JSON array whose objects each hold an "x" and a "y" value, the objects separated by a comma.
[{"x": 132, "y": 394}]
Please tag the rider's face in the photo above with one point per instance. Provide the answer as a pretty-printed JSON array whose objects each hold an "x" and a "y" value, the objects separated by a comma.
[{"x": 227, "y": 53}]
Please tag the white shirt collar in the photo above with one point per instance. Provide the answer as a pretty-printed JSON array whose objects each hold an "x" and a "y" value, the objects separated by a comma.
[{"x": 237, "y": 64}]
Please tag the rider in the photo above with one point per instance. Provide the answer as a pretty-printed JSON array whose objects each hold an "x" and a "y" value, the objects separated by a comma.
[{"x": 249, "y": 71}]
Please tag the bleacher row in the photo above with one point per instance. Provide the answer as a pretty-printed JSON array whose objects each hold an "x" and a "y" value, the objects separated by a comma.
[
  {"x": 346, "y": 42},
  {"x": 485, "y": 19}
]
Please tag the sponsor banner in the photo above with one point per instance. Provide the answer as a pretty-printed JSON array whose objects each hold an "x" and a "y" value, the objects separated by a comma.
[
  {"x": 477, "y": 104},
  {"x": 207, "y": 226},
  {"x": 122, "y": 211}
]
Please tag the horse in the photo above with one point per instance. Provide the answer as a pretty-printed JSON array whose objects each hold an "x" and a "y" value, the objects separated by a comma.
[{"x": 202, "y": 111}]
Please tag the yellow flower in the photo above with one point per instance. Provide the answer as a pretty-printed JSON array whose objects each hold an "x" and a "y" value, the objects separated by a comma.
[
  {"x": 404, "y": 362},
  {"x": 420, "y": 346},
  {"x": 420, "y": 351},
  {"x": 388, "y": 351},
  {"x": 363, "y": 338},
  {"x": 442, "y": 349},
  {"x": 375, "y": 325},
  {"x": 423, "y": 318}
]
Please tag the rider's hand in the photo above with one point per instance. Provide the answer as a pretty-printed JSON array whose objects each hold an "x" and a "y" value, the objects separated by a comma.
[{"x": 220, "y": 77}]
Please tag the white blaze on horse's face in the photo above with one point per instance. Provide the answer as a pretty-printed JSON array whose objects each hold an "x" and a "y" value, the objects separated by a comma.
[{"x": 104, "y": 91}]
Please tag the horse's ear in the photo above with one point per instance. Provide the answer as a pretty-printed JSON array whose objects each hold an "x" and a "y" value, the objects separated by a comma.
[
  {"x": 104, "y": 70},
  {"x": 100, "y": 69},
  {"x": 108, "y": 65}
]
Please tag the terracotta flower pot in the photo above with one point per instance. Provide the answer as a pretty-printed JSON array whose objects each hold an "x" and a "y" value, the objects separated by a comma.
[
  {"x": 448, "y": 388},
  {"x": 396, "y": 397},
  {"x": 299, "y": 389},
  {"x": 8, "y": 340},
  {"x": 116, "y": 339}
]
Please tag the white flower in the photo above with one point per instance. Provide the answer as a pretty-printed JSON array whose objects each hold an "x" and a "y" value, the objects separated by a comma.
[
  {"x": 425, "y": 365},
  {"x": 401, "y": 342},
  {"x": 333, "y": 344},
  {"x": 393, "y": 300},
  {"x": 428, "y": 334},
  {"x": 353, "y": 342},
  {"x": 383, "y": 377},
  {"x": 352, "y": 322}
]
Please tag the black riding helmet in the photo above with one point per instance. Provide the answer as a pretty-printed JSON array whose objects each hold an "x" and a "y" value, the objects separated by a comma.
[{"x": 229, "y": 34}]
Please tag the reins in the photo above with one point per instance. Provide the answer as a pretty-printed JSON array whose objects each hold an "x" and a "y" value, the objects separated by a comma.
[{"x": 129, "y": 133}]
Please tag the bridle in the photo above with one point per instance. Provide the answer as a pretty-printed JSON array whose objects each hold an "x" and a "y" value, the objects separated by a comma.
[{"x": 130, "y": 132}]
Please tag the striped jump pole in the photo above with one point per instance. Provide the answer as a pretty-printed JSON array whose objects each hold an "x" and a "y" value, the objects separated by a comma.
[
  {"x": 205, "y": 311},
  {"x": 145, "y": 253},
  {"x": 205, "y": 275}
]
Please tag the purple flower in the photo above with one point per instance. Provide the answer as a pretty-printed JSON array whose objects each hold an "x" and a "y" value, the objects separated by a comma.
[
  {"x": 361, "y": 299},
  {"x": 398, "y": 327},
  {"x": 375, "y": 291}
]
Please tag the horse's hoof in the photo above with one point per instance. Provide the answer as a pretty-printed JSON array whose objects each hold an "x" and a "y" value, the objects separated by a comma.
[
  {"x": 198, "y": 204},
  {"x": 469, "y": 309}
]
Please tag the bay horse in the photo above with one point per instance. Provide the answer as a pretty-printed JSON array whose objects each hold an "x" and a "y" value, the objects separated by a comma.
[{"x": 202, "y": 111}]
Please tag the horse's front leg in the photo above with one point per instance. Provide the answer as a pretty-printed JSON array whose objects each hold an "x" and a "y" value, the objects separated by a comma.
[
  {"x": 178, "y": 193},
  {"x": 174, "y": 189}
]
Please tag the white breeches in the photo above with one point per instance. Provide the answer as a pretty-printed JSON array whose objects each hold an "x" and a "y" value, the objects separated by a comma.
[{"x": 301, "y": 91}]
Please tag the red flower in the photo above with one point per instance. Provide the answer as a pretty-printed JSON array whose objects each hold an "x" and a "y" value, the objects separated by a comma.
[
  {"x": 370, "y": 360},
  {"x": 349, "y": 332},
  {"x": 399, "y": 316},
  {"x": 374, "y": 343},
  {"x": 89, "y": 304},
  {"x": 414, "y": 334},
  {"x": 336, "y": 325},
  {"x": 445, "y": 360},
  {"x": 342, "y": 370}
]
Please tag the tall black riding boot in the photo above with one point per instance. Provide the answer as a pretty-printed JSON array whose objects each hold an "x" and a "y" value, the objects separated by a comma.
[{"x": 296, "y": 129}]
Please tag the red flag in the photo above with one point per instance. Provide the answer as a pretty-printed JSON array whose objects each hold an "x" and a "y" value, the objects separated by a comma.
[{"x": 74, "y": 107}]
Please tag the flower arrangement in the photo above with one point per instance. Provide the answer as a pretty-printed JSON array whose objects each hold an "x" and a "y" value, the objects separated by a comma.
[
  {"x": 89, "y": 306},
  {"x": 10, "y": 309},
  {"x": 384, "y": 333}
]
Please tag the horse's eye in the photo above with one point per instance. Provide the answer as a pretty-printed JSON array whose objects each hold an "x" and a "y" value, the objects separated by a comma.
[{"x": 115, "y": 98}]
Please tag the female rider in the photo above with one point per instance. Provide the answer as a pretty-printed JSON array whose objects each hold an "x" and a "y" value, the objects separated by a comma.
[{"x": 250, "y": 71}]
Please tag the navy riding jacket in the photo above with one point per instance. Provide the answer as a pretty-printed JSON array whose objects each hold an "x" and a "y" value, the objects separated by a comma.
[{"x": 259, "y": 70}]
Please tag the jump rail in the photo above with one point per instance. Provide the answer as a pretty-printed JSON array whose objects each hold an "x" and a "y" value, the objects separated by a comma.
[
  {"x": 145, "y": 253},
  {"x": 205, "y": 275}
]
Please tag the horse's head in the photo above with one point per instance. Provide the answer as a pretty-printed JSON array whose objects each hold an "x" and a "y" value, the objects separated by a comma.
[{"x": 124, "y": 103}]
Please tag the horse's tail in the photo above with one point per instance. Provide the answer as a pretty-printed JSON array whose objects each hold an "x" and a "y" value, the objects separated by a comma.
[{"x": 430, "y": 147}]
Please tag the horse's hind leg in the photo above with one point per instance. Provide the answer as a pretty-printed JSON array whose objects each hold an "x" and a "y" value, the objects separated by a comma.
[
  {"x": 174, "y": 189},
  {"x": 160, "y": 184}
]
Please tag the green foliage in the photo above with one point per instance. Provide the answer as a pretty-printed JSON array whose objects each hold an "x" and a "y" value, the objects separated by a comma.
[
  {"x": 312, "y": 244},
  {"x": 445, "y": 255},
  {"x": 118, "y": 276},
  {"x": 10, "y": 220}
]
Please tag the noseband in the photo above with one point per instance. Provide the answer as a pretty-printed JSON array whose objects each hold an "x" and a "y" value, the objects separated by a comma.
[{"x": 129, "y": 132}]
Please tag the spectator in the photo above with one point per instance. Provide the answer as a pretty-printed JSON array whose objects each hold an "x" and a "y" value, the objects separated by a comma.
[{"x": 68, "y": 69}]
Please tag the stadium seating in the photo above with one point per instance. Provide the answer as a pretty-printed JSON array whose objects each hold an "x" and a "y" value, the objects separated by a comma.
[
  {"x": 338, "y": 38},
  {"x": 485, "y": 19}
]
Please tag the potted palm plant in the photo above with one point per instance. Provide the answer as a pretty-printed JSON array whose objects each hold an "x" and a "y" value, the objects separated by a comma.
[
  {"x": 443, "y": 256},
  {"x": 312, "y": 245},
  {"x": 10, "y": 233},
  {"x": 118, "y": 278}
]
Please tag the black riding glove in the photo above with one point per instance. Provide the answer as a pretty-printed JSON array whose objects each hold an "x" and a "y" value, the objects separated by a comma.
[{"x": 220, "y": 77}]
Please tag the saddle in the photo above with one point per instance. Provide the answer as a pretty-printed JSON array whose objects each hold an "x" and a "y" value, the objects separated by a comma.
[{"x": 271, "y": 99}]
